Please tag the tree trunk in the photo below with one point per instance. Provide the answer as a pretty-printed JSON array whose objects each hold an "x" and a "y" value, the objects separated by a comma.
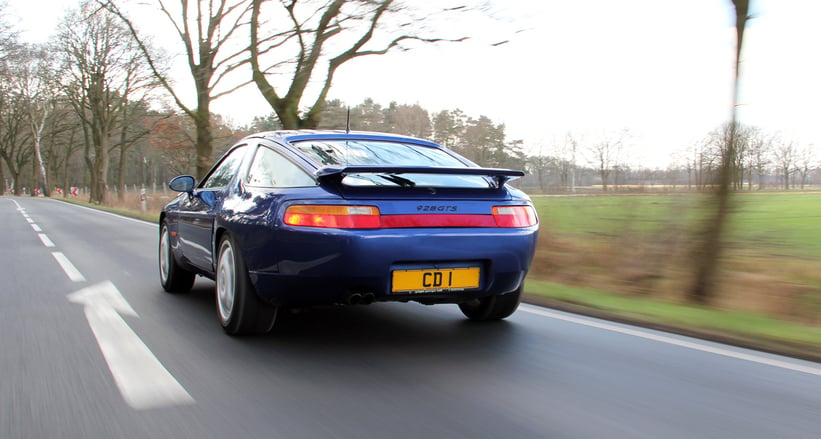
[
  {"x": 711, "y": 240},
  {"x": 38, "y": 137},
  {"x": 99, "y": 169},
  {"x": 2, "y": 179},
  {"x": 205, "y": 147},
  {"x": 121, "y": 174}
]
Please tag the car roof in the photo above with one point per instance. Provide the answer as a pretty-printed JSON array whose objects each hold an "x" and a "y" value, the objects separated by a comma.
[{"x": 290, "y": 136}]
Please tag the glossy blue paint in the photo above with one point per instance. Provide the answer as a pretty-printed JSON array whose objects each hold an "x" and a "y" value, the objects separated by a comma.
[{"x": 299, "y": 266}]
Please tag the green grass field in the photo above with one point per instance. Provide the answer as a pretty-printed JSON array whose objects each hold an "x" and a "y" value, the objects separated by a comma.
[
  {"x": 769, "y": 222},
  {"x": 631, "y": 255}
]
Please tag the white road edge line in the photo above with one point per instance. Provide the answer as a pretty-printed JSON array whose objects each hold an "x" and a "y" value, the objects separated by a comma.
[
  {"x": 102, "y": 212},
  {"x": 71, "y": 271},
  {"x": 46, "y": 241},
  {"x": 674, "y": 341},
  {"x": 143, "y": 381},
  {"x": 36, "y": 228}
]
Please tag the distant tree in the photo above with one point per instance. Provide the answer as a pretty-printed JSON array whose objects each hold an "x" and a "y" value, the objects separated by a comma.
[
  {"x": 15, "y": 134},
  {"x": 449, "y": 127},
  {"x": 172, "y": 135},
  {"x": 129, "y": 134},
  {"x": 568, "y": 155},
  {"x": 785, "y": 154},
  {"x": 757, "y": 156},
  {"x": 334, "y": 116},
  {"x": 483, "y": 142},
  {"x": 368, "y": 116},
  {"x": 539, "y": 165},
  {"x": 265, "y": 123},
  {"x": 806, "y": 161},
  {"x": 605, "y": 153},
  {"x": 410, "y": 120}
]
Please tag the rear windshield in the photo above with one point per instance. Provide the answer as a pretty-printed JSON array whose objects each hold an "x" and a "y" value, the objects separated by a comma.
[{"x": 381, "y": 153}]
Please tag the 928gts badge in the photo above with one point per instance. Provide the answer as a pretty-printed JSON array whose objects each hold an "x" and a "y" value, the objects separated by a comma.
[{"x": 436, "y": 208}]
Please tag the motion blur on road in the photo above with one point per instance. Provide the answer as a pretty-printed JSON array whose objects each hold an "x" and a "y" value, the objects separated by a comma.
[{"x": 93, "y": 348}]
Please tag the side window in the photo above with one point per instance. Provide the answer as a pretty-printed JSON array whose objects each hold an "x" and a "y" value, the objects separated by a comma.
[
  {"x": 222, "y": 175},
  {"x": 271, "y": 169}
]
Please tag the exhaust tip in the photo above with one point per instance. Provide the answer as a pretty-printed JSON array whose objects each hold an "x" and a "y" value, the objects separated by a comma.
[
  {"x": 354, "y": 298},
  {"x": 368, "y": 298}
]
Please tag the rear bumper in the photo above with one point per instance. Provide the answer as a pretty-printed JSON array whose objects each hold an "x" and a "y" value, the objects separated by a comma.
[{"x": 325, "y": 267}]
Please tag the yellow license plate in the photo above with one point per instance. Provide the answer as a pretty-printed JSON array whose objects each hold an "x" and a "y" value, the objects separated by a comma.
[{"x": 435, "y": 280}]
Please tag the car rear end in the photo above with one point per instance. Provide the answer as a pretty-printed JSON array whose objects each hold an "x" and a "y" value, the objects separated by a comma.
[{"x": 377, "y": 232}]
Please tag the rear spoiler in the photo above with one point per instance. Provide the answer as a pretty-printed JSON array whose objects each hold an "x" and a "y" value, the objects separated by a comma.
[{"x": 332, "y": 174}]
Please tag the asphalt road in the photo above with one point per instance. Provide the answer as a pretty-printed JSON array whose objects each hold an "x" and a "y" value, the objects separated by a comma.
[{"x": 91, "y": 347}]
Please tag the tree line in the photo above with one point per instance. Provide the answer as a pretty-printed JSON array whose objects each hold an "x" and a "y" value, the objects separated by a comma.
[
  {"x": 95, "y": 108},
  {"x": 758, "y": 160}
]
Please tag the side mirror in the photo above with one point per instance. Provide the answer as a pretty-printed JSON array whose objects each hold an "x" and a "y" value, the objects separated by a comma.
[{"x": 183, "y": 183}]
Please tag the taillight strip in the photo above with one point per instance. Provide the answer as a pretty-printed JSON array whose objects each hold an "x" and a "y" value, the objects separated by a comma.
[{"x": 368, "y": 217}]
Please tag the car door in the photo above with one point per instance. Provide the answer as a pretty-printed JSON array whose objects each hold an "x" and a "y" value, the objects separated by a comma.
[{"x": 198, "y": 212}]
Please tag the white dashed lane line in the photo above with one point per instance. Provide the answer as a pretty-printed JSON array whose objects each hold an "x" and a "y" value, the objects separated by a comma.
[
  {"x": 68, "y": 268},
  {"x": 45, "y": 239},
  {"x": 71, "y": 271}
]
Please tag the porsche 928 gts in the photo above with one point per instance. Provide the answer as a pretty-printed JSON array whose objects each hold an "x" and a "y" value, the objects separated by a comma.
[{"x": 295, "y": 219}]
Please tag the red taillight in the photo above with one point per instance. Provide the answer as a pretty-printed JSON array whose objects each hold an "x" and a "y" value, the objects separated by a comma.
[
  {"x": 332, "y": 216},
  {"x": 515, "y": 216}
]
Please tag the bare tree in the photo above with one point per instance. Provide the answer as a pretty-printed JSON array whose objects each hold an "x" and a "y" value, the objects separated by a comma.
[
  {"x": 785, "y": 154},
  {"x": 8, "y": 49},
  {"x": 324, "y": 34},
  {"x": 130, "y": 132},
  {"x": 15, "y": 135},
  {"x": 806, "y": 161},
  {"x": 103, "y": 67},
  {"x": 605, "y": 154},
  {"x": 571, "y": 148},
  {"x": 757, "y": 156},
  {"x": 34, "y": 79},
  {"x": 61, "y": 140},
  {"x": 710, "y": 244},
  {"x": 208, "y": 31}
]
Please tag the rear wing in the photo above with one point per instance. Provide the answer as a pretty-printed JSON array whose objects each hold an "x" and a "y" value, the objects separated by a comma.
[{"x": 334, "y": 175}]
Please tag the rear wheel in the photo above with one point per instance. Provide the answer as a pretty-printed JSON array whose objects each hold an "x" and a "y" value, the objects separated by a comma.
[
  {"x": 240, "y": 309},
  {"x": 174, "y": 279},
  {"x": 494, "y": 307}
]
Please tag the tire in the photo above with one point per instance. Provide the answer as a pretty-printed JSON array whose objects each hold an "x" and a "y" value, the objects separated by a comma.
[
  {"x": 174, "y": 279},
  {"x": 239, "y": 308},
  {"x": 496, "y": 307}
]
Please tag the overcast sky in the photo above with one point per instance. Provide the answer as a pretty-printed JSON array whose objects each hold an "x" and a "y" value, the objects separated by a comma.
[{"x": 661, "y": 69}]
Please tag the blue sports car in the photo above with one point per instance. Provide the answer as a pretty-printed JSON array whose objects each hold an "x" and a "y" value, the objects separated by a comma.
[{"x": 293, "y": 219}]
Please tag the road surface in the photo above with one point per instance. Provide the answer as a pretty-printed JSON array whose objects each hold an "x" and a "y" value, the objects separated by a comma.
[{"x": 91, "y": 347}]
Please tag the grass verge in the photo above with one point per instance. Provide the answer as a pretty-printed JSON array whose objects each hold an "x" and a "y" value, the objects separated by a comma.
[
  {"x": 149, "y": 216},
  {"x": 739, "y": 328}
]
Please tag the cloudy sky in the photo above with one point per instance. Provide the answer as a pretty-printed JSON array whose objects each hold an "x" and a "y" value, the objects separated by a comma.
[{"x": 660, "y": 68}]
